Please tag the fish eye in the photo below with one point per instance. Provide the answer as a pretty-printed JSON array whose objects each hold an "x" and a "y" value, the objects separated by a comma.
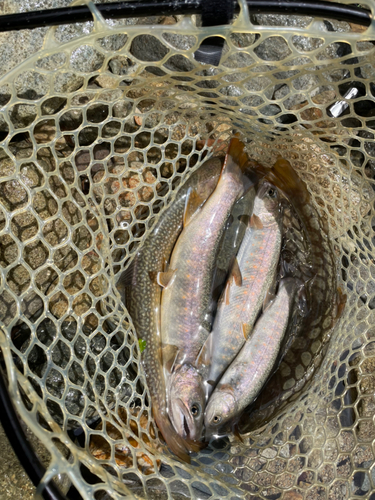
[
  {"x": 272, "y": 193},
  {"x": 195, "y": 410},
  {"x": 217, "y": 419}
]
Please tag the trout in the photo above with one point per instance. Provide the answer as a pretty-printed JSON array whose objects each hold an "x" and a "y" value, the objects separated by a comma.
[
  {"x": 186, "y": 298},
  {"x": 143, "y": 294},
  {"x": 252, "y": 277},
  {"x": 245, "y": 377},
  {"x": 324, "y": 300}
]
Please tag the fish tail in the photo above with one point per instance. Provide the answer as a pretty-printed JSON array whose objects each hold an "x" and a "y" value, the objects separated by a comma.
[
  {"x": 237, "y": 163},
  {"x": 286, "y": 178}
]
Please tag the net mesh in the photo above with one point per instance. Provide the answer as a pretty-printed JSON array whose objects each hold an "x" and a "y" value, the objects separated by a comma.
[{"x": 98, "y": 131}]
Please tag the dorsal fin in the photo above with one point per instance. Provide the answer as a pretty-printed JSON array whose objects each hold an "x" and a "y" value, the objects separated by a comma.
[
  {"x": 226, "y": 388},
  {"x": 237, "y": 163}
]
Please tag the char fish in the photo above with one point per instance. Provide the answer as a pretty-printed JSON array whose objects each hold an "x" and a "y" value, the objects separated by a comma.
[
  {"x": 186, "y": 299},
  {"x": 324, "y": 300},
  {"x": 246, "y": 291},
  {"x": 188, "y": 388},
  {"x": 143, "y": 294},
  {"x": 245, "y": 377}
]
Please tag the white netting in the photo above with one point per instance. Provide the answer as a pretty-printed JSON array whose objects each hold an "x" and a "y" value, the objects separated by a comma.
[{"x": 97, "y": 132}]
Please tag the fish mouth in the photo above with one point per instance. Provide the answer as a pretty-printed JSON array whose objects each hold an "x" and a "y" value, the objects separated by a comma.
[{"x": 183, "y": 420}]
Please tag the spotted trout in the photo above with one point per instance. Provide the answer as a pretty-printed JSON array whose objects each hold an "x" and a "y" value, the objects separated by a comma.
[
  {"x": 246, "y": 291},
  {"x": 143, "y": 294},
  {"x": 186, "y": 299},
  {"x": 316, "y": 268},
  {"x": 245, "y": 377}
]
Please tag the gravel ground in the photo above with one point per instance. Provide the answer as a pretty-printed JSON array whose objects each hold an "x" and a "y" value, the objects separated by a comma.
[{"x": 14, "y": 482}]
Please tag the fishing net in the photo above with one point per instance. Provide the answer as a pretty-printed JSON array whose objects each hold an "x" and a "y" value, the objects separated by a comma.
[{"x": 98, "y": 131}]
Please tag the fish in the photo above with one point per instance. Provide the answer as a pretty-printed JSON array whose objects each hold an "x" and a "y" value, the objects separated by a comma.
[
  {"x": 188, "y": 389},
  {"x": 235, "y": 230},
  {"x": 247, "y": 289},
  {"x": 316, "y": 267},
  {"x": 142, "y": 294},
  {"x": 247, "y": 374},
  {"x": 186, "y": 298}
]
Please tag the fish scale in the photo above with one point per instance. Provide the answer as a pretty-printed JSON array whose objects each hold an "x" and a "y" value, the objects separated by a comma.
[{"x": 239, "y": 306}]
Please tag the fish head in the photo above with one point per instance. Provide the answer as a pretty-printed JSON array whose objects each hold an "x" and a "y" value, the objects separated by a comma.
[
  {"x": 221, "y": 408},
  {"x": 267, "y": 206},
  {"x": 186, "y": 401}
]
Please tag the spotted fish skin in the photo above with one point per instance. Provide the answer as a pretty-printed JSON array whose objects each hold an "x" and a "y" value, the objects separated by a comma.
[
  {"x": 246, "y": 376},
  {"x": 143, "y": 294},
  {"x": 186, "y": 301},
  {"x": 241, "y": 304}
]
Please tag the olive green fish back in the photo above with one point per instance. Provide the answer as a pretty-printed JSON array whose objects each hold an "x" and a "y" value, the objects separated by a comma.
[{"x": 97, "y": 130}]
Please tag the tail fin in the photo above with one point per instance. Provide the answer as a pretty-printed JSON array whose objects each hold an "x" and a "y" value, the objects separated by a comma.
[
  {"x": 284, "y": 177},
  {"x": 237, "y": 163}
]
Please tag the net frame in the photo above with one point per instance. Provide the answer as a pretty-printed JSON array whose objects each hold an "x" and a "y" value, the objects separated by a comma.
[{"x": 113, "y": 487}]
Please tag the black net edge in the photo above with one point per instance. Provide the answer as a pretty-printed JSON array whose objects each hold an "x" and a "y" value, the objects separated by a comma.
[{"x": 118, "y": 10}]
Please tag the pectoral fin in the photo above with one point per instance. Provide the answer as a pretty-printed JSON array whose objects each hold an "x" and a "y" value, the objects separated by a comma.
[
  {"x": 255, "y": 222},
  {"x": 164, "y": 279},
  {"x": 204, "y": 356},
  {"x": 236, "y": 273},
  {"x": 237, "y": 434},
  {"x": 227, "y": 294},
  {"x": 245, "y": 330},
  {"x": 169, "y": 355}
]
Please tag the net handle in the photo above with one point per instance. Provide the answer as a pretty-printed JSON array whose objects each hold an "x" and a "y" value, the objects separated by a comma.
[{"x": 21, "y": 446}]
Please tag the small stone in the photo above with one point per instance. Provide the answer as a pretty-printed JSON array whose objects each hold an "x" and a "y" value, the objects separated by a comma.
[{"x": 269, "y": 453}]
